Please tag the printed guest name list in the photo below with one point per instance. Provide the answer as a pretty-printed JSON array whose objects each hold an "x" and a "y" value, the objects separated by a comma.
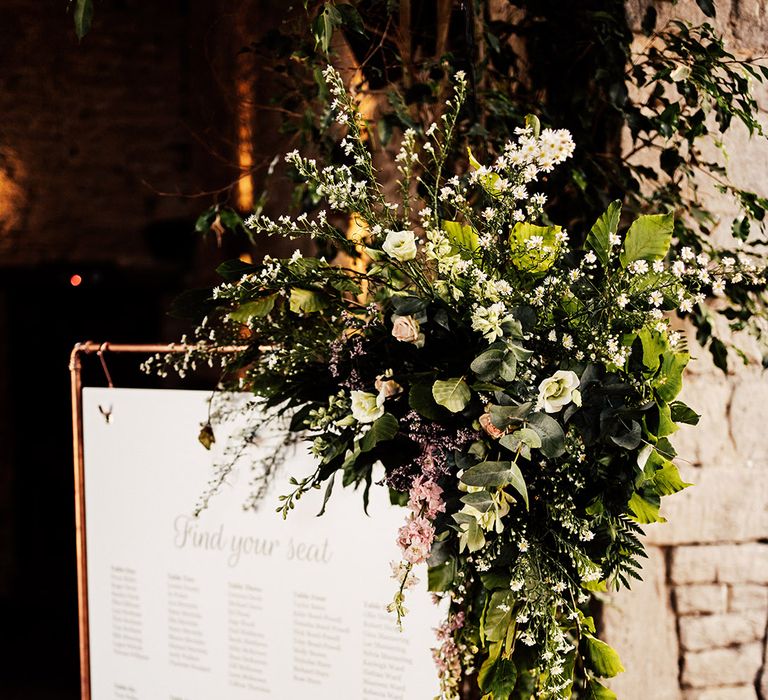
[{"x": 234, "y": 603}]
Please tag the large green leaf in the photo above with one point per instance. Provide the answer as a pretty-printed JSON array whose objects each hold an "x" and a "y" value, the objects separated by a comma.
[
  {"x": 669, "y": 380},
  {"x": 498, "y": 680},
  {"x": 598, "y": 239},
  {"x": 550, "y": 432},
  {"x": 499, "y": 615},
  {"x": 306, "y": 301},
  {"x": 420, "y": 399},
  {"x": 648, "y": 238},
  {"x": 453, "y": 393},
  {"x": 440, "y": 577},
  {"x": 496, "y": 475},
  {"x": 601, "y": 658},
  {"x": 462, "y": 237},
  {"x": 667, "y": 481},
  {"x": 643, "y": 511},
  {"x": 257, "y": 308},
  {"x": 83, "y": 17},
  {"x": 539, "y": 258},
  {"x": 384, "y": 428},
  {"x": 683, "y": 414},
  {"x": 654, "y": 345},
  {"x": 597, "y": 691}
]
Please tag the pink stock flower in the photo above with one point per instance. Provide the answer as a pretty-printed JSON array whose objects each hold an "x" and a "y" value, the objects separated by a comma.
[
  {"x": 415, "y": 539},
  {"x": 426, "y": 494}
]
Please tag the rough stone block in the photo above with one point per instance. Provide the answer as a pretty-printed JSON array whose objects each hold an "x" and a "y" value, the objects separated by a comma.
[
  {"x": 630, "y": 620},
  {"x": 725, "y": 504},
  {"x": 738, "y": 564},
  {"x": 736, "y": 692},
  {"x": 718, "y": 667},
  {"x": 701, "y": 599},
  {"x": 715, "y": 631},
  {"x": 748, "y": 597}
]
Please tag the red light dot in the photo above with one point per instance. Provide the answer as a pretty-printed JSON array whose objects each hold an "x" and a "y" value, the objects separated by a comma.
[{"x": 75, "y": 280}]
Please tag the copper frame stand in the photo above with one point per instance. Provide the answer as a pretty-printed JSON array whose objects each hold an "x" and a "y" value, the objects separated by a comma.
[{"x": 75, "y": 368}]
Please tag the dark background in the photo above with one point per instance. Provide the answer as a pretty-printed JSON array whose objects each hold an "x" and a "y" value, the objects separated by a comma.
[{"x": 93, "y": 137}]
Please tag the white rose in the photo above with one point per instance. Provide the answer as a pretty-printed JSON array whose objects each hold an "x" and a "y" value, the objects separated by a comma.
[
  {"x": 366, "y": 407},
  {"x": 559, "y": 390},
  {"x": 407, "y": 330},
  {"x": 400, "y": 245}
]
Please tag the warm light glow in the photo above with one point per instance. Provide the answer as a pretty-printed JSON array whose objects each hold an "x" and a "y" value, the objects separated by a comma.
[
  {"x": 76, "y": 280},
  {"x": 245, "y": 143},
  {"x": 247, "y": 258},
  {"x": 246, "y": 69}
]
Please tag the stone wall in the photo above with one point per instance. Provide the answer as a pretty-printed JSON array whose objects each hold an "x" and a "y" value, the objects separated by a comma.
[{"x": 695, "y": 629}]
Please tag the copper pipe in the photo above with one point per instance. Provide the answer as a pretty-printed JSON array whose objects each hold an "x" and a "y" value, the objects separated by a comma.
[
  {"x": 75, "y": 367},
  {"x": 82, "y": 571}
]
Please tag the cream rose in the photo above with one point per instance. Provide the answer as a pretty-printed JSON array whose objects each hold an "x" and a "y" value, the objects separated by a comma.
[
  {"x": 407, "y": 330},
  {"x": 366, "y": 407},
  {"x": 386, "y": 386},
  {"x": 559, "y": 390},
  {"x": 400, "y": 245}
]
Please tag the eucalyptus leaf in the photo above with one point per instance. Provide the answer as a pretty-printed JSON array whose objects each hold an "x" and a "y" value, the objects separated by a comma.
[
  {"x": 504, "y": 416},
  {"x": 479, "y": 500},
  {"x": 486, "y": 366},
  {"x": 453, "y": 393},
  {"x": 550, "y": 432},
  {"x": 496, "y": 475}
]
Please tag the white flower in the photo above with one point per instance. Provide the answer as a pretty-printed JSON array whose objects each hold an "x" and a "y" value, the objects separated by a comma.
[
  {"x": 407, "y": 330},
  {"x": 718, "y": 287},
  {"x": 656, "y": 298},
  {"x": 366, "y": 407},
  {"x": 590, "y": 258},
  {"x": 489, "y": 321},
  {"x": 400, "y": 245},
  {"x": 559, "y": 390},
  {"x": 622, "y": 300}
]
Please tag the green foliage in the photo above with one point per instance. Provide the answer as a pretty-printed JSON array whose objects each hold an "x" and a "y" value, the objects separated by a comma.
[
  {"x": 598, "y": 239},
  {"x": 601, "y": 658},
  {"x": 648, "y": 238},
  {"x": 83, "y": 17},
  {"x": 453, "y": 394},
  {"x": 497, "y": 475}
]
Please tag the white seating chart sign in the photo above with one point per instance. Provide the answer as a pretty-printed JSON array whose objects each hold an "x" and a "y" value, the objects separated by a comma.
[{"x": 235, "y": 604}]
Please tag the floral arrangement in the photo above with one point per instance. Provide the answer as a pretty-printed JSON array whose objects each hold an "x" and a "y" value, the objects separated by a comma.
[{"x": 519, "y": 392}]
